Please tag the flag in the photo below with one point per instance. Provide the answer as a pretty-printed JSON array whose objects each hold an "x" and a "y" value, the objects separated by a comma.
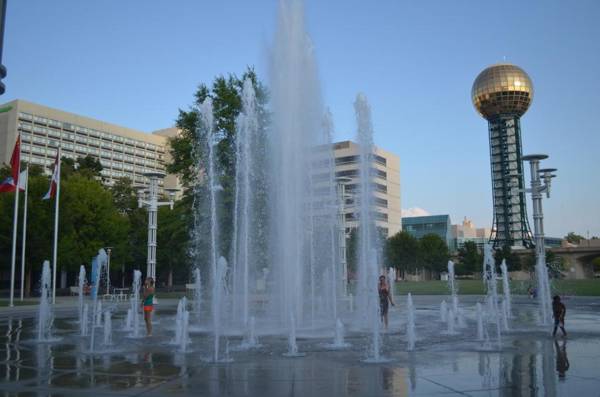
[
  {"x": 23, "y": 180},
  {"x": 8, "y": 185},
  {"x": 55, "y": 179}
]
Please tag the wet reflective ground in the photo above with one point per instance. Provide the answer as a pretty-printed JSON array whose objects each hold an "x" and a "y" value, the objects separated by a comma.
[{"x": 531, "y": 362}]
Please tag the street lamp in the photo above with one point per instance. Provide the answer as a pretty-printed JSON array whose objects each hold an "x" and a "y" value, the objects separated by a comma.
[
  {"x": 152, "y": 204},
  {"x": 342, "y": 196},
  {"x": 536, "y": 190}
]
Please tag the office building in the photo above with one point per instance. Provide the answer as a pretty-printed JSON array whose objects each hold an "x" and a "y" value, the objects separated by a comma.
[
  {"x": 386, "y": 185},
  {"x": 123, "y": 152},
  {"x": 419, "y": 226}
]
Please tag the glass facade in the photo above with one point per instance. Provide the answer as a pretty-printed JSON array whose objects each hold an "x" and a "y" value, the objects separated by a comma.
[{"x": 419, "y": 226}]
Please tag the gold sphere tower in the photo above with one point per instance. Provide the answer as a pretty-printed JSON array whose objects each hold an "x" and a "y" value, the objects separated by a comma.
[{"x": 501, "y": 94}]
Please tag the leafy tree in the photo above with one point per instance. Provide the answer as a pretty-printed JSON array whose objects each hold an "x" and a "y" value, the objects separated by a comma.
[
  {"x": 574, "y": 238},
  {"x": 433, "y": 253},
  {"x": 189, "y": 153},
  {"x": 513, "y": 261},
  {"x": 402, "y": 251},
  {"x": 89, "y": 221},
  {"x": 89, "y": 165},
  {"x": 124, "y": 196},
  {"x": 470, "y": 259}
]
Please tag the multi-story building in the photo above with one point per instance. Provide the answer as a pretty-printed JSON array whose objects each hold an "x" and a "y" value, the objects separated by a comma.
[
  {"x": 468, "y": 232},
  {"x": 419, "y": 226},
  {"x": 123, "y": 152},
  {"x": 386, "y": 185}
]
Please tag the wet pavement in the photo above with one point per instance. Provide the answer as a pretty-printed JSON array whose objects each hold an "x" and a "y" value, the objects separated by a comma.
[{"x": 530, "y": 362}]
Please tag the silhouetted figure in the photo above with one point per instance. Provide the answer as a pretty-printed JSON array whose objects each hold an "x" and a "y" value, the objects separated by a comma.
[
  {"x": 559, "y": 310},
  {"x": 385, "y": 298},
  {"x": 562, "y": 362}
]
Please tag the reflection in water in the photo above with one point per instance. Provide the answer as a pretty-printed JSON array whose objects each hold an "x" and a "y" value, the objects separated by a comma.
[
  {"x": 412, "y": 370},
  {"x": 562, "y": 361}
]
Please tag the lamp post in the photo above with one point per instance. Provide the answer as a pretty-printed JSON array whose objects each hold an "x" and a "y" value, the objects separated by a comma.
[
  {"x": 108, "y": 251},
  {"x": 152, "y": 204},
  {"x": 537, "y": 188},
  {"x": 342, "y": 196}
]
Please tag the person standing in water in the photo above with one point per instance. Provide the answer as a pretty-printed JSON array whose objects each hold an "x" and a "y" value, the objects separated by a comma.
[
  {"x": 385, "y": 298},
  {"x": 559, "y": 310},
  {"x": 148, "y": 304}
]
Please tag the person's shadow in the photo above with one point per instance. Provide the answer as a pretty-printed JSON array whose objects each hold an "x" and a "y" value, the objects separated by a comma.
[{"x": 562, "y": 361}]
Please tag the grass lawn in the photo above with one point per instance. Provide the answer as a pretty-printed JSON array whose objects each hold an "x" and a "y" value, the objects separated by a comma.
[{"x": 589, "y": 287}]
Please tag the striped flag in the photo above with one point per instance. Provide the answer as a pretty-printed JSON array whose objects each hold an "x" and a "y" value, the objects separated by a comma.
[{"x": 55, "y": 179}]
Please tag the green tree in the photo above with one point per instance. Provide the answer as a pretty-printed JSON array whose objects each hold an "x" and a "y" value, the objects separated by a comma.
[
  {"x": 433, "y": 253},
  {"x": 402, "y": 251},
  {"x": 173, "y": 242},
  {"x": 189, "y": 153},
  {"x": 89, "y": 221},
  {"x": 513, "y": 261},
  {"x": 89, "y": 165},
  {"x": 470, "y": 259},
  {"x": 574, "y": 238}
]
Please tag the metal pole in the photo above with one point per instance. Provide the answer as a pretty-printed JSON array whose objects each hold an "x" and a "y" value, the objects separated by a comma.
[
  {"x": 15, "y": 226},
  {"x": 56, "y": 207},
  {"x": 152, "y": 225},
  {"x": 24, "y": 239},
  {"x": 342, "y": 238}
]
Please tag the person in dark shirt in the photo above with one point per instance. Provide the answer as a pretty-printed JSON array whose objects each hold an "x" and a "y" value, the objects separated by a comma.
[
  {"x": 385, "y": 298},
  {"x": 559, "y": 310}
]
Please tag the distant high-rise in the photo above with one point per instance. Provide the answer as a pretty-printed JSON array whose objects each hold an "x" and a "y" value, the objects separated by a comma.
[{"x": 502, "y": 94}]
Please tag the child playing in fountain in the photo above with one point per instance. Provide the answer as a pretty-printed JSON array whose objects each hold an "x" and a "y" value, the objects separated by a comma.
[
  {"x": 148, "y": 304},
  {"x": 385, "y": 298},
  {"x": 559, "y": 310}
]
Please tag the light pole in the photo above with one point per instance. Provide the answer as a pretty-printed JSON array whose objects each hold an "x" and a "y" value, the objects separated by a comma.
[
  {"x": 342, "y": 196},
  {"x": 108, "y": 251},
  {"x": 536, "y": 191},
  {"x": 152, "y": 205}
]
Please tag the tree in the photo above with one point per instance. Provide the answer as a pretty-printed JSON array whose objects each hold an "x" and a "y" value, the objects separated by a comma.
[
  {"x": 513, "y": 261},
  {"x": 89, "y": 221},
  {"x": 433, "y": 253},
  {"x": 402, "y": 251},
  {"x": 189, "y": 153},
  {"x": 470, "y": 259},
  {"x": 573, "y": 238}
]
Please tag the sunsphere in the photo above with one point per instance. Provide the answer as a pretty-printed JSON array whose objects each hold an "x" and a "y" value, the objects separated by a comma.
[{"x": 502, "y": 89}]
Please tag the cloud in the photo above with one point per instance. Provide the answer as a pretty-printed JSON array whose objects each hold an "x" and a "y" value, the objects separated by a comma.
[{"x": 414, "y": 211}]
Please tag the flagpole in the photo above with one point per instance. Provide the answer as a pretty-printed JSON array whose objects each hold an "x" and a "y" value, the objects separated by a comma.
[
  {"x": 24, "y": 239},
  {"x": 15, "y": 225},
  {"x": 55, "y": 230}
]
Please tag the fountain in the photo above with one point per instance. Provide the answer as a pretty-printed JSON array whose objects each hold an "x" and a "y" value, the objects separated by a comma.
[
  {"x": 338, "y": 338},
  {"x": 368, "y": 270},
  {"x": 128, "y": 320},
  {"x": 479, "y": 314},
  {"x": 181, "y": 308},
  {"x": 504, "y": 315},
  {"x": 391, "y": 276},
  {"x": 251, "y": 340},
  {"x": 443, "y": 311},
  {"x": 489, "y": 278},
  {"x": 98, "y": 264},
  {"x": 80, "y": 284},
  {"x": 185, "y": 338},
  {"x": 98, "y": 320},
  {"x": 506, "y": 289},
  {"x": 218, "y": 299},
  {"x": 83, "y": 322},
  {"x": 452, "y": 285},
  {"x": 292, "y": 346},
  {"x": 135, "y": 304},
  {"x": 411, "y": 335},
  {"x": 197, "y": 303},
  {"x": 107, "y": 328},
  {"x": 451, "y": 321},
  {"x": 245, "y": 225},
  {"x": 44, "y": 332}
]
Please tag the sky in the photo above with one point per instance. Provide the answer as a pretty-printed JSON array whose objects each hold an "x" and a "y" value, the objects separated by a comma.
[{"x": 136, "y": 62}]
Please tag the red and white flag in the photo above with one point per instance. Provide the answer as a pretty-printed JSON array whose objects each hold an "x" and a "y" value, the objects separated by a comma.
[
  {"x": 55, "y": 179},
  {"x": 8, "y": 185}
]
